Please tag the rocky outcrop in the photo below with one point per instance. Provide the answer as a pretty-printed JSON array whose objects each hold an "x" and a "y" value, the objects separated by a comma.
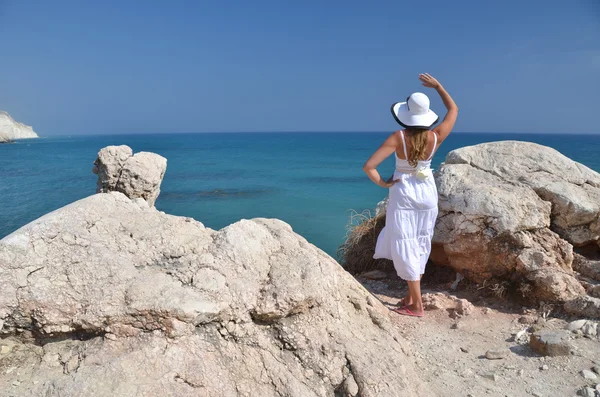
[
  {"x": 110, "y": 297},
  {"x": 513, "y": 211},
  {"x": 571, "y": 189},
  {"x": 138, "y": 175},
  {"x": 4, "y": 138},
  {"x": 13, "y": 129},
  {"x": 584, "y": 306},
  {"x": 587, "y": 267}
]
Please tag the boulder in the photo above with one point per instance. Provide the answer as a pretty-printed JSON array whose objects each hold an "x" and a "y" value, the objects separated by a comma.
[
  {"x": 137, "y": 176},
  {"x": 586, "y": 392},
  {"x": 108, "y": 166},
  {"x": 594, "y": 291},
  {"x": 587, "y": 267},
  {"x": 502, "y": 217},
  {"x": 110, "y": 297},
  {"x": 588, "y": 375},
  {"x": 576, "y": 325},
  {"x": 551, "y": 343},
  {"x": 584, "y": 306},
  {"x": 572, "y": 189}
]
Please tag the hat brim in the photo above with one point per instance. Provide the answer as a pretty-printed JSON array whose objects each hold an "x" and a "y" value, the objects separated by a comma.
[{"x": 410, "y": 120}]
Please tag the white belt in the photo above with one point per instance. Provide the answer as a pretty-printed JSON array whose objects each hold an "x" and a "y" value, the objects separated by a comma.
[
  {"x": 421, "y": 173},
  {"x": 405, "y": 171}
]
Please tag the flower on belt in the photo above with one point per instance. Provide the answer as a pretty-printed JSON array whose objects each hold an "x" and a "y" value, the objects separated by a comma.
[{"x": 423, "y": 173}]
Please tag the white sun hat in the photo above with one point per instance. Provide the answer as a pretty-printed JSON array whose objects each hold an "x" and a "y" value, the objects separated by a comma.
[{"x": 414, "y": 112}]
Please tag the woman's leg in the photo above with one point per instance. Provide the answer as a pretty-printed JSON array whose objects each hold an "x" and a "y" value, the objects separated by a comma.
[
  {"x": 414, "y": 294},
  {"x": 408, "y": 299}
]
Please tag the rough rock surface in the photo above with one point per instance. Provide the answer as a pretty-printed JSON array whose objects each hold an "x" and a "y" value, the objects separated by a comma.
[
  {"x": 110, "y": 297},
  {"x": 584, "y": 306},
  {"x": 444, "y": 301},
  {"x": 4, "y": 138},
  {"x": 551, "y": 343},
  {"x": 138, "y": 175},
  {"x": 594, "y": 291},
  {"x": 572, "y": 188},
  {"x": 587, "y": 267},
  {"x": 13, "y": 129},
  {"x": 497, "y": 354},
  {"x": 511, "y": 211},
  {"x": 381, "y": 206}
]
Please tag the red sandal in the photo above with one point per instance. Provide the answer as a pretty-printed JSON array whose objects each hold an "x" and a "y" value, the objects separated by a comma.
[{"x": 405, "y": 311}]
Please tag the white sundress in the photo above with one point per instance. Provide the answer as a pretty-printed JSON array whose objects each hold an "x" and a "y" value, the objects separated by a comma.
[{"x": 410, "y": 219}]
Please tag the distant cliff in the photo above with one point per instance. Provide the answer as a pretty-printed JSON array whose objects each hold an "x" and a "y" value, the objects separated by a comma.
[{"x": 13, "y": 129}]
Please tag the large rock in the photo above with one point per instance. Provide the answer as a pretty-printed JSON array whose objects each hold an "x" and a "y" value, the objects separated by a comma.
[
  {"x": 551, "y": 343},
  {"x": 584, "y": 306},
  {"x": 108, "y": 166},
  {"x": 503, "y": 216},
  {"x": 13, "y": 129},
  {"x": 110, "y": 297},
  {"x": 572, "y": 188},
  {"x": 138, "y": 175},
  {"x": 587, "y": 267}
]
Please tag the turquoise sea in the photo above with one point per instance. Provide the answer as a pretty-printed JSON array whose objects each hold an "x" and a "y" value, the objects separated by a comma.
[{"x": 310, "y": 180}]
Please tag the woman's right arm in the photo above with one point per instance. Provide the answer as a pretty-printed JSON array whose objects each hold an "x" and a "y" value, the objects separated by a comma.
[
  {"x": 385, "y": 150},
  {"x": 445, "y": 127}
]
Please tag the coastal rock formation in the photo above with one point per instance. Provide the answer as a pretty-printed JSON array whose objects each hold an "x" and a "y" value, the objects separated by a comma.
[
  {"x": 138, "y": 175},
  {"x": 4, "y": 138},
  {"x": 492, "y": 229},
  {"x": 513, "y": 211},
  {"x": 110, "y": 297},
  {"x": 13, "y": 129},
  {"x": 572, "y": 189}
]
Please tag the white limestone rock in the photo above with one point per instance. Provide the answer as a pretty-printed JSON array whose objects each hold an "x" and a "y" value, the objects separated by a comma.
[
  {"x": 4, "y": 138},
  {"x": 142, "y": 175},
  {"x": 13, "y": 129},
  {"x": 137, "y": 302},
  {"x": 490, "y": 228},
  {"x": 108, "y": 166},
  {"x": 506, "y": 209},
  {"x": 137, "y": 176},
  {"x": 572, "y": 188}
]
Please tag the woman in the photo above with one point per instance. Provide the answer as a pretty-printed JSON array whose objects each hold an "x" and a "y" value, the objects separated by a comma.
[{"x": 412, "y": 207}]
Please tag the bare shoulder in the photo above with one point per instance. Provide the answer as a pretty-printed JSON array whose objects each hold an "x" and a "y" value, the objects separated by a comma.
[{"x": 393, "y": 139}]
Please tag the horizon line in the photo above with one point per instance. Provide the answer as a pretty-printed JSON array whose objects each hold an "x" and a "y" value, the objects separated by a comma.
[{"x": 305, "y": 132}]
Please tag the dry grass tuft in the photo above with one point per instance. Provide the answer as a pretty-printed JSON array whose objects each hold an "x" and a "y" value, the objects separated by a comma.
[
  {"x": 500, "y": 289},
  {"x": 356, "y": 254},
  {"x": 525, "y": 289}
]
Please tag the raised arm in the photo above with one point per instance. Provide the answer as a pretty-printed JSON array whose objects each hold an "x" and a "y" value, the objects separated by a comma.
[
  {"x": 445, "y": 127},
  {"x": 370, "y": 168}
]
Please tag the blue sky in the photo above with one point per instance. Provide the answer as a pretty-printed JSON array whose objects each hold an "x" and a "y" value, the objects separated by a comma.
[{"x": 77, "y": 67}]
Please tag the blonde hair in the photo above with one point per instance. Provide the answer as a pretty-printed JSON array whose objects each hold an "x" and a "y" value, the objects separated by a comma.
[{"x": 419, "y": 138}]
